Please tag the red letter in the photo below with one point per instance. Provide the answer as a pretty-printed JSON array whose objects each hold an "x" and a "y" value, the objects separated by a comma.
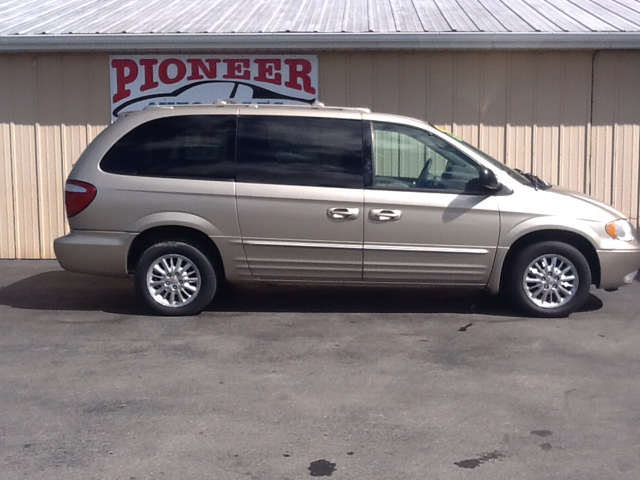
[
  {"x": 299, "y": 69},
  {"x": 234, "y": 69},
  {"x": 163, "y": 71},
  {"x": 266, "y": 71},
  {"x": 149, "y": 83},
  {"x": 198, "y": 68},
  {"x": 126, "y": 72}
]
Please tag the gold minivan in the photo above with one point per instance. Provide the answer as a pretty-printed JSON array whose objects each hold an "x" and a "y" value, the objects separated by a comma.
[{"x": 184, "y": 198}]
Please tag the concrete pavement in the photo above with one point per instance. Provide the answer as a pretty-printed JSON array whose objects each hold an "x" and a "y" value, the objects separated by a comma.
[{"x": 293, "y": 383}]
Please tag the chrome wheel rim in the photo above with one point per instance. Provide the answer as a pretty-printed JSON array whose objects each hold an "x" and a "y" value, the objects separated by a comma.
[
  {"x": 550, "y": 281},
  {"x": 173, "y": 281}
]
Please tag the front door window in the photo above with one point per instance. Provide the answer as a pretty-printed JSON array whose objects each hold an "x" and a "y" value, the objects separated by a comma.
[{"x": 405, "y": 158}]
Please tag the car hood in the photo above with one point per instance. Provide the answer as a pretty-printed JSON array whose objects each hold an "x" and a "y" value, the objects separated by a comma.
[
  {"x": 557, "y": 202},
  {"x": 590, "y": 206}
]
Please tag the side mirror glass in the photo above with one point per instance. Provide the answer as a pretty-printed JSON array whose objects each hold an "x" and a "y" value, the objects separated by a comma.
[{"x": 488, "y": 180}]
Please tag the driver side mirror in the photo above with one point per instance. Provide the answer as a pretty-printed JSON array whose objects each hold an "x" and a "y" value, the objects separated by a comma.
[{"x": 488, "y": 180}]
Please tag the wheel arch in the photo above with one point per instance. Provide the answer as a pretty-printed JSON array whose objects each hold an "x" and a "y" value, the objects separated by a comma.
[
  {"x": 165, "y": 233},
  {"x": 576, "y": 240}
]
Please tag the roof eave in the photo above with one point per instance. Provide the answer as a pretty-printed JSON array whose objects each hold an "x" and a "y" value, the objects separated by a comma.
[{"x": 304, "y": 42}]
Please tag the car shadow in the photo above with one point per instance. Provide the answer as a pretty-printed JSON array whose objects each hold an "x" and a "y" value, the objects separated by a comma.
[{"x": 61, "y": 290}]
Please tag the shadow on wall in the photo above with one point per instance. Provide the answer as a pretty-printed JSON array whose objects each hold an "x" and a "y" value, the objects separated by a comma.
[
  {"x": 547, "y": 88},
  {"x": 62, "y": 290},
  {"x": 53, "y": 89}
]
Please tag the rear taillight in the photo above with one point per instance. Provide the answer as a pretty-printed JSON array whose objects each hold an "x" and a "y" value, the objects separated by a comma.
[{"x": 78, "y": 196}]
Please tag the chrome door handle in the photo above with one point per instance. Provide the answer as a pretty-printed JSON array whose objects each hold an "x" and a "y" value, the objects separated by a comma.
[
  {"x": 384, "y": 215},
  {"x": 341, "y": 213}
]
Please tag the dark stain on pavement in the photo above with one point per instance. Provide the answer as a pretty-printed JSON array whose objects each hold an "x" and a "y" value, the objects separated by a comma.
[
  {"x": 464, "y": 329},
  {"x": 321, "y": 468},
  {"x": 476, "y": 462},
  {"x": 546, "y": 446},
  {"x": 541, "y": 433}
]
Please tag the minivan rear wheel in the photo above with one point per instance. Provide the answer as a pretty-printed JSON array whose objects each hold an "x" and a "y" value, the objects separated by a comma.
[
  {"x": 175, "y": 279},
  {"x": 549, "y": 279}
]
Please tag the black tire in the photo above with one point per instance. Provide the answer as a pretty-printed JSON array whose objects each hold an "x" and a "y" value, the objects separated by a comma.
[
  {"x": 184, "y": 300},
  {"x": 526, "y": 299}
]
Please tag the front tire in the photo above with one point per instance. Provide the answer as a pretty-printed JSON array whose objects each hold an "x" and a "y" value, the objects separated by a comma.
[
  {"x": 549, "y": 279},
  {"x": 175, "y": 279}
]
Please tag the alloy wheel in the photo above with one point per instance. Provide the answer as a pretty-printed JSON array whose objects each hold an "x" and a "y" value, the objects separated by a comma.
[{"x": 173, "y": 280}]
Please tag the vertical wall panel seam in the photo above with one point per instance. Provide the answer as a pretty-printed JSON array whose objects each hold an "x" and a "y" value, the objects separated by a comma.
[
  {"x": 506, "y": 116},
  {"x": 14, "y": 169},
  {"x": 480, "y": 101},
  {"x": 12, "y": 153},
  {"x": 481, "y": 94},
  {"x": 38, "y": 162},
  {"x": 427, "y": 71},
  {"x": 563, "y": 92},
  {"x": 534, "y": 112},
  {"x": 87, "y": 94},
  {"x": 347, "y": 89},
  {"x": 401, "y": 59},
  {"x": 454, "y": 83},
  {"x": 61, "y": 134},
  {"x": 505, "y": 150},
  {"x": 614, "y": 132},
  {"x": 588, "y": 140}
]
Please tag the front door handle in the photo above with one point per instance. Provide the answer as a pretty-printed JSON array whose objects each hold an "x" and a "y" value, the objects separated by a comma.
[
  {"x": 384, "y": 215},
  {"x": 341, "y": 213}
]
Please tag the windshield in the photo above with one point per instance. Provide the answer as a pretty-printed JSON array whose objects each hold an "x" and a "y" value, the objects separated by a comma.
[{"x": 495, "y": 163}]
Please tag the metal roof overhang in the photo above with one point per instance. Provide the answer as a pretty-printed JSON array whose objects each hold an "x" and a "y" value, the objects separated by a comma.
[{"x": 305, "y": 42}]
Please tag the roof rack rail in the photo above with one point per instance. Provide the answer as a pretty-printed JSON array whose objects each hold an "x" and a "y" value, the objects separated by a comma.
[
  {"x": 314, "y": 105},
  {"x": 151, "y": 107},
  {"x": 229, "y": 103}
]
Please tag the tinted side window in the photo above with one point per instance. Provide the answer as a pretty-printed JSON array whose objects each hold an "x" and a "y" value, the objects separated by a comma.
[
  {"x": 320, "y": 152},
  {"x": 190, "y": 146}
]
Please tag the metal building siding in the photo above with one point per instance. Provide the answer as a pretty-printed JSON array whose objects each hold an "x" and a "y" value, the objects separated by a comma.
[
  {"x": 533, "y": 109},
  {"x": 575, "y": 98},
  {"x": 48, "y": 142},
  {"x": 53, "y": 105},
  {"x": 615, "y": 150},
  {"x": 7, "y": 206},
  {"x": 23, "y": 149},
  {"x": 493, "y": 105}
]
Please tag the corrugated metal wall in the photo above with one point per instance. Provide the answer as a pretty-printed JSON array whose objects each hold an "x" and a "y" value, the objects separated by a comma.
[
  {"x": 571, "y": 117},
  {"x": 51, "y": 106}
]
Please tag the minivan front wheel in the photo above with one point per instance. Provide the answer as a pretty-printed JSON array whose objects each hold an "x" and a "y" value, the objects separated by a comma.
[
  {"x": 550, "y": 279},
  {"x": 175, "y": 279}
]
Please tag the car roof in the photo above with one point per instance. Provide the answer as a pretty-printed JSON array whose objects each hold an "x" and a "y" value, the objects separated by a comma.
[{"x": 316, "y": 109}]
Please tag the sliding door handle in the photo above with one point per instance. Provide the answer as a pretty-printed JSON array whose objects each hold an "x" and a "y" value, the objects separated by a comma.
[
  {"x": 384, "y": 215},
  {"x": 341, "y": 213}
]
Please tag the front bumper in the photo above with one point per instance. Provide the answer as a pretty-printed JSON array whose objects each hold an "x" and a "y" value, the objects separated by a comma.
[
  {"x": 615, "y": 265},
  {"x": 96, "y": 253}
]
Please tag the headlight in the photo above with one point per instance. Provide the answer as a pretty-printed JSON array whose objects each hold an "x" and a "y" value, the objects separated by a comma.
[{"x": 620, "y": 230}]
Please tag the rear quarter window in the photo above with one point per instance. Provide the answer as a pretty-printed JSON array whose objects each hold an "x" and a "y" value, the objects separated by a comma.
[
  {"x": 188, "y": 146},
  {"x": 308, "y": 151}
]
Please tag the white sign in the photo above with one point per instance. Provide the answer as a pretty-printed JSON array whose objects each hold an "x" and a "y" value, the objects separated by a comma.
[{"x": 141, "y": 80}]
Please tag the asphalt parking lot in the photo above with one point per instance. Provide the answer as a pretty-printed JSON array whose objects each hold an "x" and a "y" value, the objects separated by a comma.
[{"x": 294, "y": 383}]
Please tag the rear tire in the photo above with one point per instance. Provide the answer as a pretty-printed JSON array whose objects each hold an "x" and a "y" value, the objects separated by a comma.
[
  {"x": 549, "y": 279},
  {"x": 175, "y": 279}
]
